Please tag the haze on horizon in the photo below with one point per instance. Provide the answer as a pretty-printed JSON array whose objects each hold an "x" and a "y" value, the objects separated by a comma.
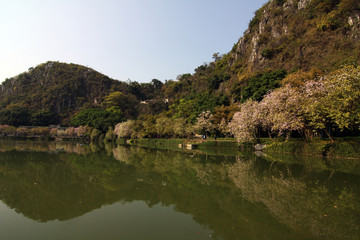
[{"x": 125, "y": 39}]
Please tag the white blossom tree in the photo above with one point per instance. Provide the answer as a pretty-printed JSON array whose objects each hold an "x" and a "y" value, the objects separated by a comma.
[
  {"x": 124, "y": 129},
  {"x": 246, "y": 123},
  {"x": 205, "y": 123}
]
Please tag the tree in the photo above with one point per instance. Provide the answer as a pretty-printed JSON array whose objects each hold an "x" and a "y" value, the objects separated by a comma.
[
  {"x": 43, "y": 118},
  {"x": 123, "y": 101},
  {"x": 246, "y": 123},
  {"x": 97, "y": 118},
  {"x": 205, "y": 123},
  {"x": 148, "y": 126},
  {"x": 157, "y": 84},
  {"x": 280, "y": 111},
  {"x": 223, "y": 128},
  {"x": 15, "y": 115},
  {"x": 181, "y": 128},
  {"x": 343, "y": 97},
  {"x": 225, "y": 112},
  {"x": 216, "y": 80},
  {"x": 124, "y": 129},
  {"x": 216, "y": 56},
  {"x": 261, "y": 84},
  {"x": 333, "y": 101},
  {"x": 315, "y": 109},
  {"x": 164, "y": 127}
]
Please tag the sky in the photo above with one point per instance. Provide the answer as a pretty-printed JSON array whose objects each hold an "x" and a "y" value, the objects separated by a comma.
[{"x": 124, "y": 39}]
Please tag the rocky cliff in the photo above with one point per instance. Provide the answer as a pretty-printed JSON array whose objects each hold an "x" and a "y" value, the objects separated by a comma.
[{"x": 301, "y": 34}]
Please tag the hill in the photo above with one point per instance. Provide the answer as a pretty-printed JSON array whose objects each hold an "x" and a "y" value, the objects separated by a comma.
[
  {"x": 54, "y": 90},
  {"x": 290, "y": 35},
  {"x": 287, "y": 42},
  {"x": 293, "y": 46}
]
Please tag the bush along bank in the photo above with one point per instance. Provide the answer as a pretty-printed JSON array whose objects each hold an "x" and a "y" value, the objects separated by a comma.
[{"x": 82, "y": 133}]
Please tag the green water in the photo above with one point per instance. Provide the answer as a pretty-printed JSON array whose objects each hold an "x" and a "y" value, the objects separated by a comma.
[{"x": 75, "y": 191}]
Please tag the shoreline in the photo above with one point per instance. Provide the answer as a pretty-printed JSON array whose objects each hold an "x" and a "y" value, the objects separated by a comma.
[
  {"x": 343, "y": 147},
  {"x": 348, "y": 148}
]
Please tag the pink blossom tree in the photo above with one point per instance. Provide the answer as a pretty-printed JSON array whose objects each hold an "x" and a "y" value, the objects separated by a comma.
[
  {"x": 124, "y": 129},
  {"x": 246, "y": 123},
  {"x": 280, "y": 111}
]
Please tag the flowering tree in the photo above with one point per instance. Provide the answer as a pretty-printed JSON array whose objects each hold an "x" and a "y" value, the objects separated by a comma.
[
  {"x": 334, "y": 100},
  {"x": 124, "y": 129},
  {"x": 246, "y": 123},
  {"x": 280, "y": 110},
  {"x": 223, "y": 127},
  {"x": 82, "y": 131},
  {"x": 325, "y": 103},
  {"x": 314, "y": 107},
  {"x": 205, "y": 123}
]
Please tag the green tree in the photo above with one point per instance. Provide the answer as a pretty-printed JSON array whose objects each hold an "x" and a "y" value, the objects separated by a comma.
[
  {"x": 343, "y": 97},
  {"x": 15, "y": 115},
  {"x": 43, "y": 118},
  {"x": 261, "y": 84},
  {"x": 97, "y": 118},
  {"x": 164, "y": 127},
  {"x": 125, "y": 102}
]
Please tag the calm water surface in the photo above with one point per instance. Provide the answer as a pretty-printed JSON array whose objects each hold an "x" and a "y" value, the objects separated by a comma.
[{"x": 75, "y": 191}]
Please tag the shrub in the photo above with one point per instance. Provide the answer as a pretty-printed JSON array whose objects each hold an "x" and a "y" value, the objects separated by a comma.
[
  {"x": 82, "y": 131},
  {"x": 53, "y": 132},
  {"x": 110, "y": 135},
  {"x": 70, "y": 132},
  {"x": 279, "y": 2},
  {"x": 95, "y": 135},
  {"x": 124, "y": 129},
  {"x": 268, "y": 53}
]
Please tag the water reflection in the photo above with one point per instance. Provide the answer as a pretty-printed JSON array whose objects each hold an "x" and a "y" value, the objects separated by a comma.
[{"x": 238, "y": 197}]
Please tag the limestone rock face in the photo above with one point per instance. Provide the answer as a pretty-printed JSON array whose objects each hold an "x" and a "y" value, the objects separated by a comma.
[
  {"x": 303, "y": 4},
  {"x": 354, "y": 23},
  {"x": 271, "y": 24},
  {"x": 290, "y": 35}
]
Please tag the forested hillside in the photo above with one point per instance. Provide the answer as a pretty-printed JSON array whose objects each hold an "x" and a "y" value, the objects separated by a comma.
[
  {"x": 290, "y": 73},
  {"x": 51, "y": 93}
]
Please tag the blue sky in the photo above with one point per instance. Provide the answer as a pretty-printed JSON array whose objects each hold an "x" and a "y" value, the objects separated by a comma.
[{"x": 124, "y": 39}]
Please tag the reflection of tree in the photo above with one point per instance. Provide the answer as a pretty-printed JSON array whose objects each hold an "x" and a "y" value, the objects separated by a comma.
[
  {"x": 235, "y": 198},
  {"x": 44, "y": 146},
  {"x": 304, "y": 202}
]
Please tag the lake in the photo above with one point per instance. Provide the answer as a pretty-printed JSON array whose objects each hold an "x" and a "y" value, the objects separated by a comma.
[{"x": 52, "y": 190}]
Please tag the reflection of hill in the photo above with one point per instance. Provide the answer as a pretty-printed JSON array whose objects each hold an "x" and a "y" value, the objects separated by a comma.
[
  {"x": 45, "y": 186},
  {"x": 233, "y": 196}
]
